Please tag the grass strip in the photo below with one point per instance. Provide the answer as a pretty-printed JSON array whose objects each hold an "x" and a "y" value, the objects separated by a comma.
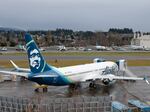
[
  {"x": 56, "y": 53},
  {"x": 63, "y": 63}
]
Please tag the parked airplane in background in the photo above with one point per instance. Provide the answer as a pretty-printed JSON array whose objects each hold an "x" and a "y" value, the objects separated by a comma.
[{"x": 44, "y": 74}]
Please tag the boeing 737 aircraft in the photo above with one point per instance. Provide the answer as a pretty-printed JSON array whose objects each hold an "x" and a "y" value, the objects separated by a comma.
[{"x": 44, "y": 74}]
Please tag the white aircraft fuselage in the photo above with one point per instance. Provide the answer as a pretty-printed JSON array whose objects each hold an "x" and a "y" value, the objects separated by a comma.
[
  {"x": 81, "y": 73},
  {"x": 73, "y": 74}
]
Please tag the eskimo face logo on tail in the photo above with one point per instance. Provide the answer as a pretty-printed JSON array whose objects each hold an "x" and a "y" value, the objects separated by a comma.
[{"x": 35, "y": 58}]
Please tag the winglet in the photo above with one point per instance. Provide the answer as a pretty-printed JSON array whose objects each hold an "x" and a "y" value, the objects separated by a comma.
[
  {"x": 145, "y": 78},
  {"x": 16, "y": 67}
]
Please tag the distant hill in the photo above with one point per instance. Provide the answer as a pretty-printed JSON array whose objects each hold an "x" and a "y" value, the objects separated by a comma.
[{"x": 9, "y": 29}]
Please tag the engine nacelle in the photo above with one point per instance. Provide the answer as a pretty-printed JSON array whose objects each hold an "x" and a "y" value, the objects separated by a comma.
[
  {"x": 98, "y": 60},
  {"x": 108, "y": 81},
  {"x": 122, "y": 65}
]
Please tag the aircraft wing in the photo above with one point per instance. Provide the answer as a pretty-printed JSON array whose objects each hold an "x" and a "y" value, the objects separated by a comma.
[
  {"x": 114, "y": 77},
  {"x": 23, "y": 74}
]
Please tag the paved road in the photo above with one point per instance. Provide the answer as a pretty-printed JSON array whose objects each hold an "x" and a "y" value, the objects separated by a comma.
[{"x": 24, "y": 57}]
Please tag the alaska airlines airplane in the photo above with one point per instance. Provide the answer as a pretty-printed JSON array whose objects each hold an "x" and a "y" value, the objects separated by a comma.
[{"x": 44, "y": 74}]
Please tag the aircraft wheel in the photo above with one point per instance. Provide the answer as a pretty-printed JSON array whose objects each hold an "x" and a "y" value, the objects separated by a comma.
[
  {"x": 36, "y": 90},
  {"x": 77, "y": 85},
  {"x": 45, "y": 89},
  {"x": 74, "y": 86},
  {"x": 92, "y": 85}
]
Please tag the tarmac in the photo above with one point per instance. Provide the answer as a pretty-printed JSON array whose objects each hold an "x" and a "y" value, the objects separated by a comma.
[{"x": 120, "y": 91}]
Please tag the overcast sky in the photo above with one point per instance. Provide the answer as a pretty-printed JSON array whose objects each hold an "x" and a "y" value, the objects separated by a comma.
[{"x": 95, "y": 15}]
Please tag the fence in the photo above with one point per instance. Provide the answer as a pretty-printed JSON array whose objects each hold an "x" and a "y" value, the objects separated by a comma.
[{"x": 77, "y": 104}]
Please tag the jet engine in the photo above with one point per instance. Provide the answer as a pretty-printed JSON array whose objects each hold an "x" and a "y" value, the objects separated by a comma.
[
  {"x": 122, "y": 65},
  {"x": 109, "y": 81},
  {"x": 106, "y": 81},
  {"x": 98, "y": 60}
]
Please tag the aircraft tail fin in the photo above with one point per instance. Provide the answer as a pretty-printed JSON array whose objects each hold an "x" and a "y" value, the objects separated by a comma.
[{"x": 36, "y": 61}]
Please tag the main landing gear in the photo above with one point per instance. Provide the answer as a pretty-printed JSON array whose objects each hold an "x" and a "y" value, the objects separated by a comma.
[
  {"x": 92, "y": 85},
  {"x": 74, "y": 86},
  {"x": 43, "y": 87}
]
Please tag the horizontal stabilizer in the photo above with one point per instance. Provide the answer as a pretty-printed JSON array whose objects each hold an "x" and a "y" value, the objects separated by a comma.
[
  {"x": 19, "y": 69},
  {"x": 15, "y": 73}
]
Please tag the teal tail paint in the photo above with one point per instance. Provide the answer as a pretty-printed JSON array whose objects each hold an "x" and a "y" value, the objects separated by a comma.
[{"x": 36, "y": 61}]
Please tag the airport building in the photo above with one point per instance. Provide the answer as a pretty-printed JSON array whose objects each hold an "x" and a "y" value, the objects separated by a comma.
[{"x": 141, "y": 39}]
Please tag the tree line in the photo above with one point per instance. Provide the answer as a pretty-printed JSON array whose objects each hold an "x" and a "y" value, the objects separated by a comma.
[
  {"x": 69, "y": 37},
  {"x": 121, "y": 31}
]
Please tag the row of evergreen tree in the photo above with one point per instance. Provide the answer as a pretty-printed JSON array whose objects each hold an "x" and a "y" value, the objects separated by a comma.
[{"x": 122, "y": 31}]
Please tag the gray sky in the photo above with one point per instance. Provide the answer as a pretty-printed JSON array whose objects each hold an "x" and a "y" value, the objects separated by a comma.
[{"x": 95, "y": 15}]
